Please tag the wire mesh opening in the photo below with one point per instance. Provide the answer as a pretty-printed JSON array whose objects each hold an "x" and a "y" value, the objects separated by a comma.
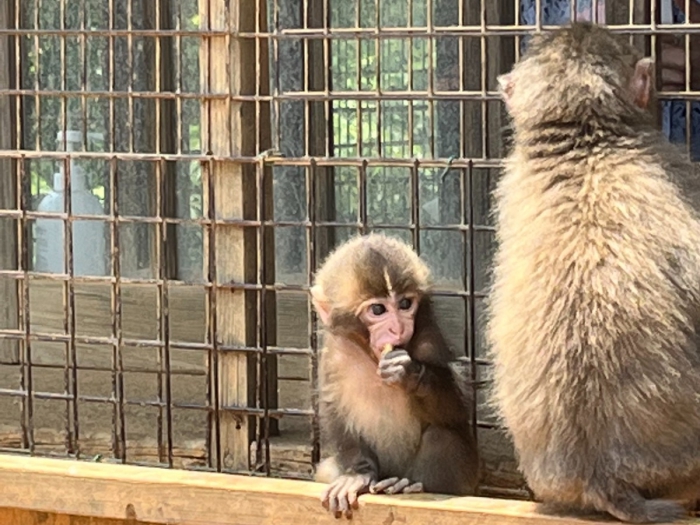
[{"x": 173, "y": 172}]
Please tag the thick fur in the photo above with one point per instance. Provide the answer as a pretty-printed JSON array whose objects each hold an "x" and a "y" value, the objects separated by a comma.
[
  {"x": 594, "y": 308},
  {"x": 385, "y": 431}
]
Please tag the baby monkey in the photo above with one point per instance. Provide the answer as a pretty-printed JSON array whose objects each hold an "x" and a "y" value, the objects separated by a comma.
[
  {"x": 595, "y": 304},
  {"x": 393, "y": 406}
]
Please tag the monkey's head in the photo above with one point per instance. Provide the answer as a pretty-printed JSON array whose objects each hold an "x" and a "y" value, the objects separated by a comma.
[
  {"x": 369, "y": 290},
  {"x": 576, "y": 74}
]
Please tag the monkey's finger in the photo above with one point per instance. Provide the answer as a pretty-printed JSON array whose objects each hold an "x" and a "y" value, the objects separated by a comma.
[
  {"x": 393, "y": 371},
  {"x": 324, "y": 496},
  {"x": 393, "y": 374},
  {"x": 412, "y": 489},
  {"x": 396, "y": 352},
  {"x": 343, "y": 505},
  {"x": 334, "y": 495},
  {"x": 382, "y": 485},
  {"x": 352, "y": 500},
  {"x": 397, "y": 360},
  {"x": 347, "y": 499},
  {"x": 398, "y": 486}
]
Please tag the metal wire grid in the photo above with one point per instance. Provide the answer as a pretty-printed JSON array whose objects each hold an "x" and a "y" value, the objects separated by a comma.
[{"x": 312, "y": 164}]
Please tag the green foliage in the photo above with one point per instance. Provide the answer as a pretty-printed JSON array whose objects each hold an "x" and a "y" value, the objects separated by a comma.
[{"x": 381, "y": 129}]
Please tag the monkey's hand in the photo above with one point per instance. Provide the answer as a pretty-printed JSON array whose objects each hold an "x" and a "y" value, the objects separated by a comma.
[
  {"x": 397, "y": 368},
  {"x": 395, "y": 486},
  {"x": 341, "y": 496}
]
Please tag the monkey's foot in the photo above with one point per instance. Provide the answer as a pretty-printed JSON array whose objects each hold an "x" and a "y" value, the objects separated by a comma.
[
  {"x": 341, "y": 496},
  {"x": 395, "y": 486},
  {"x": 649, "y": 511}
]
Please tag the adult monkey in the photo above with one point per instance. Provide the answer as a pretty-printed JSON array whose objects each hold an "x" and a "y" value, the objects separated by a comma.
[{"x": 595, "y": 306}]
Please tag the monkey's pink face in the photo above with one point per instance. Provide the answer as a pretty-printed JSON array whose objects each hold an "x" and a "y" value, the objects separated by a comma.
[{"x": 389, "y": 320}]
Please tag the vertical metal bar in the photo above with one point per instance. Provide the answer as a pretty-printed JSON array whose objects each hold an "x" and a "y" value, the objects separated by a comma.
[
  {"x": 472, "y": 296},
  {"x": 262, "y": 311},
  {"x": 26, "y": 383},
  {"x": 312, "y": 323},
  {"x": 118, "y": 430},
  {"x": 20, "y": 226},
  {"x": 378, "y": 74},
  {"x": 275, "y": 91},
  {"x": 362, "y": 197},
  {"x": 212, "y": 332},
  {"x": 74, "y": 445},
  {"x": 328, "y": 61},
  {"x": 164, "y": 383},
  {"x": 431, "y": 76},
  {"x": 130, "y": 69},
  {"x": 484, "y": 82},
  {"x": 66, "y": 285},
  {"x": 37, "y": 76},
  {"x": 358, "y": 60},
  {"x": 162, "y": 184},
  {"x": 409, "y": 103},
  {"x": 415, "y": 205},
  {"x": 160, "y": 248}
]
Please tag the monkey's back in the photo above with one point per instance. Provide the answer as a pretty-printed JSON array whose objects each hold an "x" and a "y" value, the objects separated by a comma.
[{"x": 593, "y": 318}]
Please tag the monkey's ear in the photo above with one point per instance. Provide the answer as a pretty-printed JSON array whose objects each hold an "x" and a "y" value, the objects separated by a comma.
[
  {"x": 321, "y": 304},
  {"x": 641, "y": 82},
  {"x": 505, "y": 87}
]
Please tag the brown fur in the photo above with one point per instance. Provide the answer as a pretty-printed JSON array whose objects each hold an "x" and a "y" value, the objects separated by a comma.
[
  {"x": 594, "y": 308},
  {"x": 377, "y": 429}
]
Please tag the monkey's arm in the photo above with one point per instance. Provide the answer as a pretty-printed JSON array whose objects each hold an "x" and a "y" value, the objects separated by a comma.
[
  {"x": 353, "y": 454},
  {"x": 358, "y": 464},
  {"x": 434, "y": 388},
  {"x": 438, "y": 391}
]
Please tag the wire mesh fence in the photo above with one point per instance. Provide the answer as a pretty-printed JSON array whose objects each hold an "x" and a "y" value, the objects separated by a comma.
[{"x": 174, "y": 171}]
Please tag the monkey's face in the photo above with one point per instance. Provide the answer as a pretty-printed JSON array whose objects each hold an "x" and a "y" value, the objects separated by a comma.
[{"x": 389, "y": 320}]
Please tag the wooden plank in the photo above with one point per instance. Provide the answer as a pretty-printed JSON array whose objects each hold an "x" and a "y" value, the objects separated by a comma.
[
  {"x": 229, "y": 129},
  {"x": 196, "y": 498},
  {"x": 9, "y": 309},
  {"x": 33, "y": 517}
]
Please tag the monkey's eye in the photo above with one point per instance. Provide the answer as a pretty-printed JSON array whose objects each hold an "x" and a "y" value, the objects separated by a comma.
[
  {"x": 378, "y": 309},
  {"x": 405, "y": 303}
]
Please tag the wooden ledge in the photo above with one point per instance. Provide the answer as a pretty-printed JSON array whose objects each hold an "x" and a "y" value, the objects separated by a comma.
[{"x": 160, "y": 496}]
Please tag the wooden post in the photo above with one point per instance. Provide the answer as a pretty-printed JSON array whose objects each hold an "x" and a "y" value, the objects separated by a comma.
[
  {"x": 9, "y": 311},
  {"x": 229, "y": 130}
]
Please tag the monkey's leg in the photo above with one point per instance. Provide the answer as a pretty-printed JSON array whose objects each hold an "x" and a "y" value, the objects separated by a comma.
[
  {"x": 445, "y": 463},
  {"x": 626, "y": 503}
]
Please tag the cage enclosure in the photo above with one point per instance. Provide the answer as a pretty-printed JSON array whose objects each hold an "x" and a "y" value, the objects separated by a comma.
[{"x": 174, "y": 171}]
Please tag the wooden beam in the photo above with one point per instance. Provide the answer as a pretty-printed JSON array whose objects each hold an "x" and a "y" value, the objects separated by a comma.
[
  {"x": 33, "y": 517},
  {"x": 151, "y": 495},
  {"x": 229, "y": 130}
]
